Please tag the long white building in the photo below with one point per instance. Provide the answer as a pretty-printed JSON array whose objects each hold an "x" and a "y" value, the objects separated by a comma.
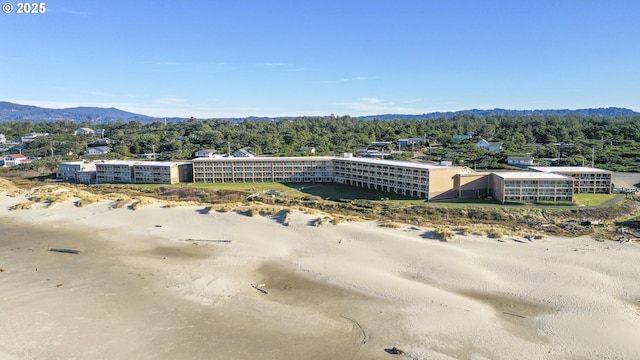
[
  {"x": 263, "y": 169},
  {"x": 399, "y": 177}
]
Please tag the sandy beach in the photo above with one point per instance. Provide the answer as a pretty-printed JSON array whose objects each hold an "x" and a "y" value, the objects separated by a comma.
[{"x": 169, "y": 283}]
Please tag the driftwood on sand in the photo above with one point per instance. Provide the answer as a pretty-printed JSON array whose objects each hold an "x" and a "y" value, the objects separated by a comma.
[
  {"x": 208, "y": 240},
  {"x": 257, "y": 287},
  {"x": 68, "y": 251}
]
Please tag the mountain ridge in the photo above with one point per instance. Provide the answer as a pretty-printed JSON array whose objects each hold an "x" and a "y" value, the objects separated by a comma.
[{"x": 16, "y": 112}]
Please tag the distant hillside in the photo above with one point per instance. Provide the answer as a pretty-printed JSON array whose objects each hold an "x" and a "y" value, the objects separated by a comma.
[
  {"x": 604, "y": 112},
  {"x": 16, "y": 112}
]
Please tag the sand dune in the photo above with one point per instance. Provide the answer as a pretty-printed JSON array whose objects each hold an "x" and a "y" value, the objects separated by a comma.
[{"x": 166, "y": 283}]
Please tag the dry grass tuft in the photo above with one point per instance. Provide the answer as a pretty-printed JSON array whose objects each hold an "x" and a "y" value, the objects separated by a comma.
[
  {"x": 120, "y": 203},
  {"x": 390, "y": 224},
  {"x": 143, "y": 201},
  {"x": 496, "y": 233},
  {"x": 323, "y": 220},
  {"x": 443, "y": 233},
  {"x": 9, "y": 188},
  {"x": 22, "y": 206}
]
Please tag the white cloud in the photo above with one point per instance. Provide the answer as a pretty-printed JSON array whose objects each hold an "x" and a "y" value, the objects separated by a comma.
[
  {"x": 372, "y": 100},
  {"x": 172, "y": 63},
  {"x": 169, "y": 100},
  {"x": 275, "y": 65},
  {"x": 343, "y": 80}
]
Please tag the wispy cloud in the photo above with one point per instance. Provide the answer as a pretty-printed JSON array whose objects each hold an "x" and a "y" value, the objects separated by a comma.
[
  {"x": 68, "y": 11},
  {"x": 169, "y": 63},
  {"x": 169, "y": 100},
  {"x": 372, "y": 100},
  {"x": 275, "y": 65},
  {"x": 373, "y": 105},
  {"x": 344, "y": 80}
]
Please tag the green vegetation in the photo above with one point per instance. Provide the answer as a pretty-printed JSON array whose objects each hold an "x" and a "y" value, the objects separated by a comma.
[
  {"x": 612, "y": 143},
  {"x": 593, "y": 199}
]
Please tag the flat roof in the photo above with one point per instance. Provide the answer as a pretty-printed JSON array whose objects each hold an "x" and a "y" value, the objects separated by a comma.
[
  {"x": 396, "y": 163},
  {"x": 160, "y": 163},
  {"x": 524, "y": 175},
  {"x": 138, "y": 162},
  {"x": 568, "y": 169},
  {"x": 329, "y": 158},
  {"x": 114, "y": 162},
  {"x": 268, "y": 158}
]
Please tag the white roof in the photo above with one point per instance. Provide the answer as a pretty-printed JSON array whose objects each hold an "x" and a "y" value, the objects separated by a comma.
[
  {"x": 268, "y": 158},
  {"x": 145, "y": 163},
  {"x": 526, "y": 175},
  {"x": 160, "y": 163},
  {"x": 568, "y": 169},
  {"x": 394, "y": 163}
]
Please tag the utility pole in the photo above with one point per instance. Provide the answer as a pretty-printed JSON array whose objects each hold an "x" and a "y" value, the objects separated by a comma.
[{"x": 592, "y": 156}]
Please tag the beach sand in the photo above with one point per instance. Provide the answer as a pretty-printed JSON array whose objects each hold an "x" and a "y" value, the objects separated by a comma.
[{"x": 176, "y": 283}]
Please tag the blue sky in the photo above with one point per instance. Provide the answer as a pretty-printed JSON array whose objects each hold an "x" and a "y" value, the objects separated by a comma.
[{"x": 218, "y": 58}]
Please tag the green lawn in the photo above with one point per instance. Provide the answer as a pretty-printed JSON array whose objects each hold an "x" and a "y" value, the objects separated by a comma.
[{"x": 593, "y": 199}]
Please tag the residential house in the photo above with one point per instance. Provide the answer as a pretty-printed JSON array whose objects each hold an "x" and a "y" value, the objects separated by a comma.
[
  {"x": 381, "y": 145},
  {"x": 488, "y": 145},
  {"x": 205, "y": 153},
  {"x": 98, "y": 150},
  {"x": 101, "y": 142},
  {"x": 32, "y": 136},
  {"x": 410, "y": 141},
  {"x": 84, "y": 131},
  {"x": 310, "y": 149},
  {"x": 245, "y": 152},
  {"x": 148, "y": 156},
  {"x": 520, "y": 160},
  {"x": 466, "y": 136},
  {"x": 15, "y": 159},
  {"x": 537, "y": 146}
]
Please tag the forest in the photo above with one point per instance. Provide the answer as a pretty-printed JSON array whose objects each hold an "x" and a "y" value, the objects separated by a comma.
[{"x": 611, "y": 143}]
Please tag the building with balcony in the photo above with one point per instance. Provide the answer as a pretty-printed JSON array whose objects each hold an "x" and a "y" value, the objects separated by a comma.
[
  {"x": 143, "y": 172},
  {"x": 587, "y": 180},
  {"x": 114, "y": 171},
  {"x": 530, "y": 187},
  {"x": 80, "y": 171},
  {"x": 161, "y": 172},
  {"x": 263, "y": 169},
  {"x": 431, "y": 182}
]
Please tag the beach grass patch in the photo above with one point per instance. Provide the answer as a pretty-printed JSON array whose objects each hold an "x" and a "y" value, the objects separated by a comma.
[{"x": 22, "y": 206}]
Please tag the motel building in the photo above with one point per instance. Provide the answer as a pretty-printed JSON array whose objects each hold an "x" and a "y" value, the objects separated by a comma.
[
  {"x": 431, "y": 182},
  {"x": 399, "y": 177}
]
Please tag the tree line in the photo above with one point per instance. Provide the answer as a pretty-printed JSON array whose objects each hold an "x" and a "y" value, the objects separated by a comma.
[{"x": 612, "y": 143}]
